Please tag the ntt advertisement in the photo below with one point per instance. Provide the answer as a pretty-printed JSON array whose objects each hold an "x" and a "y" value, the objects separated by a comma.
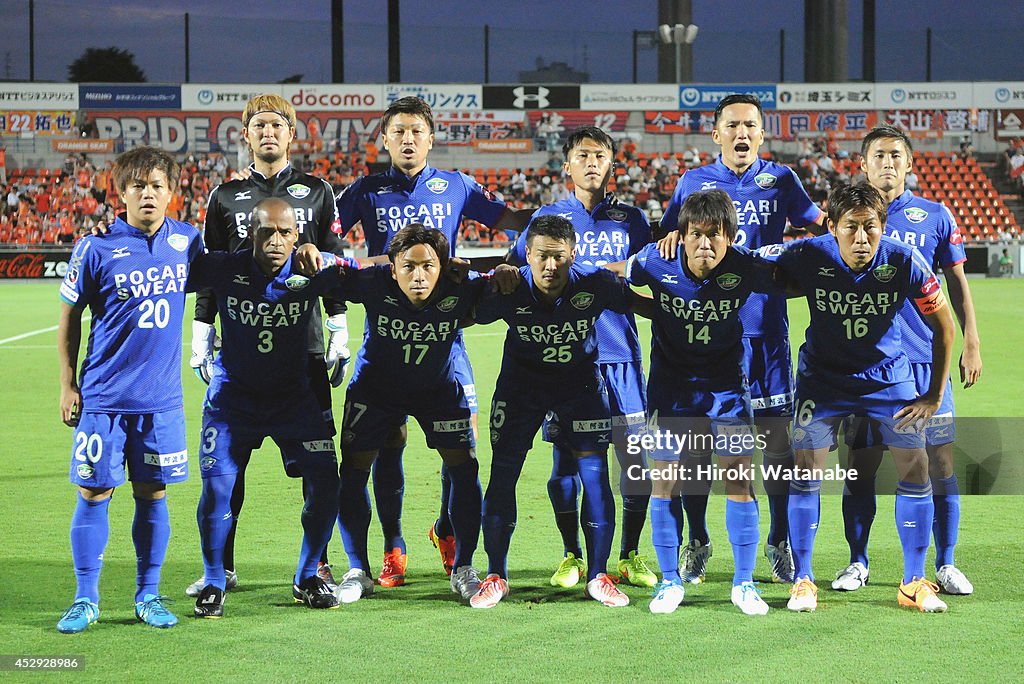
[
  {"x": 49, "y": 96},
  {"x": 334, "y": 98},
  {"x": 220, "y": 97},
  {"x": 1007, "y": 95},
  {"x": 704, "y": 97},
  {"x": 935, "y": 95}
]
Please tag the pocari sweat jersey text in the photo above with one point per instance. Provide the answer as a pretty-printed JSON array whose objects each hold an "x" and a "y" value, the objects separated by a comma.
[
  {"x": 610, "y": 233},
  {"x": 765, "y": 197},
  {"x": 931, "y": 228},
  {"x": 852, "y": 314},
  {"x": 554, "y": 343},
  {"x": 134, "y": 285},
  {"x": 387, "y": 202},
  {"x": 697, "y": 333}
]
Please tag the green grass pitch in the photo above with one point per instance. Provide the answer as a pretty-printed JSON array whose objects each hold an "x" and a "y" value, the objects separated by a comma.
[{"x": 420, "y": 632}]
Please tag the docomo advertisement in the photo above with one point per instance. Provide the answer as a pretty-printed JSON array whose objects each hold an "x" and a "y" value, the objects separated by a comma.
[
  {"x": 220, "y": 132},
  {"x": 333, "y": 98}
]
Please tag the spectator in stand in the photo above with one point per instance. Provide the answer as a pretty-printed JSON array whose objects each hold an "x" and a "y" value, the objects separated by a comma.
[{"x": 1006, "y": 264}]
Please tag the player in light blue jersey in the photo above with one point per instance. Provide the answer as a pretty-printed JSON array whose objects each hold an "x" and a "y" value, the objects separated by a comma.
[
  {"x": 126, "y": 403},
  {"x": 549, "y": 373},
  {"x": 412, "y": 191},
  {"x": 261, "y": 388},
  {"x": 413, "y": 316},
  {"x": 853, "y": 362},
  {"x": 698, "y": 399},
  {"x": 930, "y": 227},
  {"x": 606, "y": 232},
  {"x": 766, "y": 195}
]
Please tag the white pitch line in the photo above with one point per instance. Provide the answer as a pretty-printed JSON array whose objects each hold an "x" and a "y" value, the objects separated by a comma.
[{"x": 32, "y": 333}]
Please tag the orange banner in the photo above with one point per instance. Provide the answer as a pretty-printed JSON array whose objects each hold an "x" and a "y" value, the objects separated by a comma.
[
  {"x": 520, "y": 145},
  {"x": 83, "y": 145}
]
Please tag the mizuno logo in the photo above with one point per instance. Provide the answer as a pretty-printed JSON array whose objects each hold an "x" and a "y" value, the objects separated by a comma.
[
  {"x": 827, "y": 271},
  {"x": 708, "y": 185},
  {"x": 391, "y": 300},
  {"x": 241, "y": 279},
  {"x": 386, "y": 189},
  {"x": 119, "y": 252},
  {"x": 178, "y": 471},
  {"x": 670, "y": 279},
  {"x": 910, "y": 523},
  {"x": 244, "y": 195},
  {"x": 522, "y": 311}
]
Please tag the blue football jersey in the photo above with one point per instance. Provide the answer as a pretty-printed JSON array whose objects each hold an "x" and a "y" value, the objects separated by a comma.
[
  {"x": 697, "y": 332},
  {"x": 931, "y": 228},
  {"x": 852, "y": 314},
  {"x": 405, "y": 347},
  {"x": 611, "y": 232},
  {"x": 765, "y": 196},
  {"x": 553, "y": 343},
  {"x": 134, "y": 286},
  {"x": 387, "y": 202},
  {"x": 264, "y": 323}
]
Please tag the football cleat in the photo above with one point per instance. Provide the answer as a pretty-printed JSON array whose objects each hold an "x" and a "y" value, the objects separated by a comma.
[
  {"x": 152, "y": 611},
  {"x": 602, "y": 589},
  {"x": 667, "y": 596},
  {"x": 569, "y": 572},
  {"x": 80, "y": 615},
  {"x": 210, "y": 603},
  {"x": 636, "y": 571},
  {"x": 921, "y": 594},
  {"x": 355, "y": 584},
  {"x": 392, "y": 572},
  {"x": 492, "y": 590},
  {"x": 694, "y": 562},
  {"x": 747, "y": 597},
  {"x": 446, "y": 547},
  {"x": 803, "y": 596},
  {"x": 781, "y": 559},
  {"x": 315, "y": 593},
  {"x": 230, "y": 582},
  {"x": 952, "y": 581},
  {"x": 465, "y": 582},
  {"x": 323, "y": 571},
  {"x": 852, "y": 578}
]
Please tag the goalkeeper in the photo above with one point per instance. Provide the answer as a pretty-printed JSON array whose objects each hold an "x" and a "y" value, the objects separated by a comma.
[{"x": 268, "y": 130}]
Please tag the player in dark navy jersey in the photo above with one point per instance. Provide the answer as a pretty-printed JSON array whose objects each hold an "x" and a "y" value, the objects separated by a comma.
[
  {"x": 930, "y": 227},
  {"x": 853, "y": 362},
  {"x": 412, "y": 191},
  {"x": 413, "y": 315},
  {"x": 125, "y": 403},
  {"x": 549, "y": 374},
  {"x": 698, "y": 391},
  {"x": 260, "y": 388},
  {"x": 606, "y": 232},
  {"x": 766, "y": 195}
]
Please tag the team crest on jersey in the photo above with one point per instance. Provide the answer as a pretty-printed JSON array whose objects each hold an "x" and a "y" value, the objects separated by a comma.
[
  {"x": 884, "y": 273},
  {"x": 348, "y": 436},
  {"x": 85, "y": 471},
  {"x": 447, "y": 304},
  {"x": 582, "y": 300},
  {"x": 207, "y": 462},
  {"x": 437, "y": 185},
  {"x": 728, "y": 281},
  {"x": 296, "y": 282},
  {"x": 617, "y": 215},
  {"x": 298, "y": 191},
  {"x": 765, "y": 180},
  {"x": 915, "y": 214},
  {"x": 178, "y": 242}
]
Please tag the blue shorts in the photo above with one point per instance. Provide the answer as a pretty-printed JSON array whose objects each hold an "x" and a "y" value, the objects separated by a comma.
[
  {"x": 152, "y": 446},
  {"x": 577, "y": 416},
  {"x": 627, "y": 399},
  {"x": 697, "y": 418},
  {"x": 442, "y": 413},
  {"x": 768, "y": 365},
  {"x": 822, "y": 404},
  {"x": 464, "y": 371},
  {"x": 231, "y": 434},
  {"x": 940, "y": 428}
]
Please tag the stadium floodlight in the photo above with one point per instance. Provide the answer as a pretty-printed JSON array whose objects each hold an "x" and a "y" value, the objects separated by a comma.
[{"x": 679, "y": 35}]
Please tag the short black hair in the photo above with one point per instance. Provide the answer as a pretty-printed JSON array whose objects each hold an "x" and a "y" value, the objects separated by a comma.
[
  {"x": 418, "y": 234},
  {"x": 882, "y": 131},
  {"x": 846, "y": 198},
  {"x": 407, "y": 105},
  {"x": 709, "y": 208},
  {"x": 739, "y": 98},
  {"x": 587, "y": 133},
  {"x": 552, "y": 226}
]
